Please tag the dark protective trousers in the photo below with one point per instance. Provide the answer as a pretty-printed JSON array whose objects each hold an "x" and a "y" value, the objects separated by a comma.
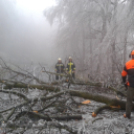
[
  {"x": 73, "y": 75},
  {"x": 58, "y": 76},
  {"x": 130, "y": 96}
]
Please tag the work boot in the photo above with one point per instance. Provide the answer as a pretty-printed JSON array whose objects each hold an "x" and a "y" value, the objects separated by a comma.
[{"x": 126, "y": 116}]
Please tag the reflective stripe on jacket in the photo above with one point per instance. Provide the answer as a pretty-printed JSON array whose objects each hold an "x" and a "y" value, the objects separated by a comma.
[
  {"x": 59, "y": 67},
  {"x": 70, "y": 67}
]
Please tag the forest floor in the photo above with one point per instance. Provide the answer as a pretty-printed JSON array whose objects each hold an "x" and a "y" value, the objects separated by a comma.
[{"x": 106, "y": 122}]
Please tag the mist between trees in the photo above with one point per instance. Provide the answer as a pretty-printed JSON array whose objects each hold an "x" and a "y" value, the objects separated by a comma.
[{"x": 98, "y": 34}]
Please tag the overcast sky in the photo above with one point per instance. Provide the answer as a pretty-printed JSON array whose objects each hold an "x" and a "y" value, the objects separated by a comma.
[{"x": 25, "y": 32}]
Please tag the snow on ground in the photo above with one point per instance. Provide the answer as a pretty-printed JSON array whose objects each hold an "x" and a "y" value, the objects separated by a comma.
[{"x": 107, "y": 122}]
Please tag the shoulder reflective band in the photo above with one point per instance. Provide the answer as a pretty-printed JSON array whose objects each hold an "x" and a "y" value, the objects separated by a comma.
[{"x": 59, "y": 64}]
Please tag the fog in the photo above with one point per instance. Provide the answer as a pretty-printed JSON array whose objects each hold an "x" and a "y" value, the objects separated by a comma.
[
  {"x": 39, "y": 97},
  {"x": 98, "y": 35},
  {"x": 26, "y": 36}
]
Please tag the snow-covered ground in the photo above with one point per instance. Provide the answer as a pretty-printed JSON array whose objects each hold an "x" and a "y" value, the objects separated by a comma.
[{"x": 107, "y": 122}]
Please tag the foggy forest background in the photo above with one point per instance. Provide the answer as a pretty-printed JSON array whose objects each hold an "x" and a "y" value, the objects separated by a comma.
[{"x": 98, "y": 34}]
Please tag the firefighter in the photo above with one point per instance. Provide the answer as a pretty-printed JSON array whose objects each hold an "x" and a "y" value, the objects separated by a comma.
[
  {"x": 129, "y": 71},
  {"x": 59, "y": 68},
  {"x": 71, "y": 68}
]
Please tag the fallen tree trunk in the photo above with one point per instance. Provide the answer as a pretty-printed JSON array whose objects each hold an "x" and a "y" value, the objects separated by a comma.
[
  {"x": 76, "y": 82},
  {"x": 37, "y": 116},
  {"x": 99, "y": 98},
  {"x": 111, "y": 103},
  {"x": 86, "y": 95},
  {"x": 96, "y": 97},
  {"x": 51, "y": 87},
  {"x": 41, "y": 87}
]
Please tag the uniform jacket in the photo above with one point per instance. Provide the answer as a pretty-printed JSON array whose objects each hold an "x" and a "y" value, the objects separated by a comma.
[
  {"x": 70, "y": 67},
  {"x": 59, "y": 67},
  {"x": 129, "y": 71}
]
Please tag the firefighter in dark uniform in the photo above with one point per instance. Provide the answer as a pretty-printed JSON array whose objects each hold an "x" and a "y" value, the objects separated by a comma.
[
  {"x": 59, "y": 68},
  {"x": 71, "y": 68},
  {"x": 129, "y": 83}
]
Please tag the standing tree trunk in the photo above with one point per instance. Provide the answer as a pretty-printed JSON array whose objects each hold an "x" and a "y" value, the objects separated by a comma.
[
  {"x": 91, "y": 61},
  {"x": 125, "y": 48},
  {"x": 114, "y": 32},
  {"x": 84, "y": 52}
]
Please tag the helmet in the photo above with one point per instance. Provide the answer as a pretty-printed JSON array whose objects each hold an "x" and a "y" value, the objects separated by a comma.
[
  {"x": 59, "y": 58},
  {"x": 132, "y": 53},
  {"x": 70, "y": 57}
]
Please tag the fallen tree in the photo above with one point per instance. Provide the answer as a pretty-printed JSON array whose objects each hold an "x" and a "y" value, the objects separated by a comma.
[
  {"x": 110, "y": 102},
  {"x": 26, "y": 86},
  {"x": 53, "y": 95}
]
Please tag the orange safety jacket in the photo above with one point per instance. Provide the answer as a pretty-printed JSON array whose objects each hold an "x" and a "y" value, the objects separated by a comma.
[{"x": 128, "y": 71}]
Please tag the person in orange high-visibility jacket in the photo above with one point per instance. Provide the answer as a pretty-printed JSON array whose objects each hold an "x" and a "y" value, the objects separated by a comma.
[
  {"x": 71, "y": 68},
  {"x": 128, "y": 72}
]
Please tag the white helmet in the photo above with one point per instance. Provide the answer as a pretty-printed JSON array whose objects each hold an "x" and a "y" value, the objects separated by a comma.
[
  {"x": 59, "y": 58},
  {"x": 70, "y": 57}
]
